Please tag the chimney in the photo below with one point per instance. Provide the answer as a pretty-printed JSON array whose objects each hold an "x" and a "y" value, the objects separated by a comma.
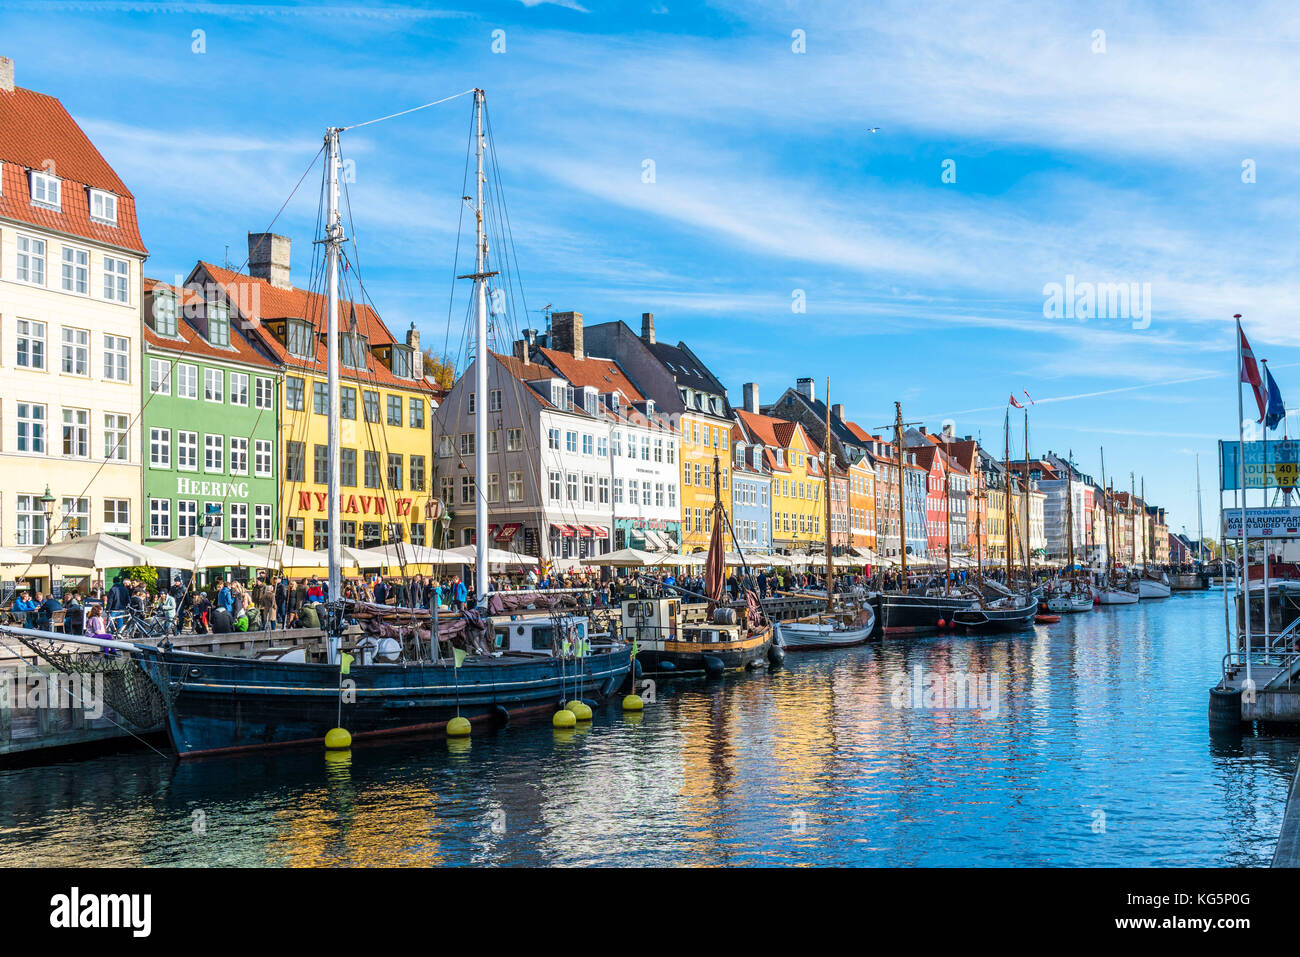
[
  {"x": 923, "y": 430},
  {"x": 417, "y": 357},
  {"x": 837, "y": 410},
  {"x": 648, "y": 327},
  {"x": 804, "y": 386},
  {"x": 566, "y": 333},
  {"x": 268, "y": 258},
  {"x": 6, "y": 74},
  {"x": 750, "y": 391}
]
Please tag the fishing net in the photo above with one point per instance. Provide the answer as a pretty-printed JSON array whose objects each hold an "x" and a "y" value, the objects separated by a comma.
[{"x": 127, "y": 689}]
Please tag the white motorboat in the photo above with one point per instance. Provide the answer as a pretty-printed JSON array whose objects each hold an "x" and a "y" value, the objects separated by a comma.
[{"x": 841, "y": 629}]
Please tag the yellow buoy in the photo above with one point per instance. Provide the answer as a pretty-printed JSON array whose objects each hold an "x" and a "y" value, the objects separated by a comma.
[
  {"x": 581, "y": 710},
  {"x": 633, "y": 702},
  {"x": 564, "y": 718},
  {"x": 337, "y": 738},
  {"x": 458, "y": 727}
]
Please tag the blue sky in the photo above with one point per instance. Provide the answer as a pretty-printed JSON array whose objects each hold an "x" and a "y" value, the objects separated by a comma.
[{"x": 1114, "y": 165}]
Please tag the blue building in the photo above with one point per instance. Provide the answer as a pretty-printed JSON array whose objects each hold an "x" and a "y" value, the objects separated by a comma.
[{"x": 751, "y": 496}]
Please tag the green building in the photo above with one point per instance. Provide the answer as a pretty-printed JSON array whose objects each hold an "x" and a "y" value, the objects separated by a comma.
[{"x": 209, "y": 428}]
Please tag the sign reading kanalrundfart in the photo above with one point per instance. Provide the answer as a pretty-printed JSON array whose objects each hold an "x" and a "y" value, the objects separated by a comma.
[{"x": 1263, "y": 522}]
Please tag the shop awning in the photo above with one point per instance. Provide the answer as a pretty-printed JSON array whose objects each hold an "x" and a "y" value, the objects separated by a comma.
[
  {"x": 507, "y": 532},
  {"x": 565, "y": 531},
  {"x": 599, "y": 532},
  {"x": 584, "y": 531}
]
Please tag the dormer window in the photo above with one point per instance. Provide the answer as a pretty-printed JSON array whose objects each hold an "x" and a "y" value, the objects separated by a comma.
[
  {"x": 300, "y": 338},
  {"x": 403, "y": 361},
  {"x": 649, "y": 406},
  {"x": 780, "y": 456},
  {"x": 614, "y": 402},
  {"x": 218, "y": 322},
  {"x": 164, "y": 312},
  {"x": 46, "y": 190},
  {"x": 589, "y": 396},
  {"x": 354, "y": 350},
  {"x": 103, "y": 207}
]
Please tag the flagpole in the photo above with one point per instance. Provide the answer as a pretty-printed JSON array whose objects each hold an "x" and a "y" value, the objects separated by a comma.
[
  {"x": 1241, "y": 482},
  {"x": 1268, "y": 619}
]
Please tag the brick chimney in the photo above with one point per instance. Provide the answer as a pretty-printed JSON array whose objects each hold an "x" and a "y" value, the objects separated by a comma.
[
  {"x": 648, "y": 327},
  {"x": 6, "y": 74},
  {"x": 566, "y": 333},
  {"x": 804, "y": 386},
  {"x": 268, "y": 258},
  {"x": 749, "y": 391}
]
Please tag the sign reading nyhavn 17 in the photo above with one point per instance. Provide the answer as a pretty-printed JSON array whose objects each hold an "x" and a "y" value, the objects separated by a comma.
[
  {"x": 1263, "y": 522},
  {"x": 1268, "y": 464},
  {"x": 357, "y": 504}
]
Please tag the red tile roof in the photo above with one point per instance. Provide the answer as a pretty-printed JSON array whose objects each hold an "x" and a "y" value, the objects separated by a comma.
[
  {"x": 604, "y": 375},
  {"x": 191, "y": 343},
  {"x": 258, "y": 300},
  {"x": 36, "y": 132}
]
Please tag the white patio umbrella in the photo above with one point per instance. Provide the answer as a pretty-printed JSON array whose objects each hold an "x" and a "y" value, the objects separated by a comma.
[
  {"x": 397, "y": 554},
  {"x": 105, "y": 551},
  {"x": 625, "y": 558},
  {"x": 281, "y": 555},
  {"x": 468, "y": 555},
  {"x": 14, "y": 556},
  {"x": 203, "y": 552}
]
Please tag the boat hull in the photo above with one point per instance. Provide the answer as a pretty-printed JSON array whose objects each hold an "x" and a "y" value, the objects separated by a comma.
[
  {"x": 666, "y": 659},
  {"x": 223, "y": 704},
  {"x": 997, "y": 619},
  {"x": 1111, "y": 596},
  {"x": 918, "y": 614},
  {"x": 1150, "y": 588},
  {"x": 810, "y": 636}
]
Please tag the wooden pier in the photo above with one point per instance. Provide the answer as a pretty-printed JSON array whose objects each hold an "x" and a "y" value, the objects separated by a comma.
[{"x": 1287, "y": 852}]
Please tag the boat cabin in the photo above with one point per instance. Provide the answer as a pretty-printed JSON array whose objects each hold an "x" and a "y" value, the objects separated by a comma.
[
  {"x": 671, "y": 619},
  {"x": 535, "y": 634}
]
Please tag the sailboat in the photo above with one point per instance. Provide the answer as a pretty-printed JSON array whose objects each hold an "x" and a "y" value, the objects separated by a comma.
[
  {"x": 270, "y": 697},
  {"x": 912, "y": 613},
  {"x": 1110, "y": 590},
  {"x": 1067, "y": 594},
  {"x": 1001, "y": 607},
  {"x": 1153, "y": 582},
  {"x": 846, "y": 621},
  {"x": 673, "y": 636}
]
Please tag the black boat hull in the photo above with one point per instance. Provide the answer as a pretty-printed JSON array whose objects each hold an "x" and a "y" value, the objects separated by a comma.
[
  {"x": 902, "y": 615},
  {"x": 221, "y": 704},
  {"x": 997, "y": 619}
]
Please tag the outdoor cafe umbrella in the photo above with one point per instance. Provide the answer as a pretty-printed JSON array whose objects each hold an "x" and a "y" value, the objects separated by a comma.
[
  {"x": 198, "y": 551},
  {"x": 281, "y": 555},
  {"x": 626, "y": 558},
  {"x": 101, "y": 550},
  {"x": 398, "y": 554},
  {"x": 468, "y": 555},
  {"x": 14, "y": 556}
]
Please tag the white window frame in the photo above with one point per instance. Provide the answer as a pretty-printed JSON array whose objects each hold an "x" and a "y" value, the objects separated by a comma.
[
  {"x": 237, "y": 388},
  {"x": 74, "y": 271},
  {"x": 117, "y": 424},
  {"x": 117, "y": 280},
  {"x": 262, "y": 458},
  {"x": 187, "y": 380},
  {"x": 47, "y": 190},
  {"x": 160, "y": 448},
  {"x": 187, "y": 451},
  {"x": 211, "y": 375},
  {"x": 106, "y": 203},
  {"x": 160, "y": 377},
  {"x": 117, "y": 352},
  {"x": 75, "y": 350},
  {"x": 37, "y": 353}
]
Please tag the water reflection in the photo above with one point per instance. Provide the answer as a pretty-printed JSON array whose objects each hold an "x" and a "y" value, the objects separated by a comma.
[{"x": 1098, "y": 753}]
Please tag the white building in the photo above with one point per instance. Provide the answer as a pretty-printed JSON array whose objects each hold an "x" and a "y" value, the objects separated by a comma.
[{"x": 71, "y": 262}]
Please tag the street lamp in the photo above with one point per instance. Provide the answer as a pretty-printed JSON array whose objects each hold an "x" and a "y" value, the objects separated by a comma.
[{"x": 47, "y": 506}]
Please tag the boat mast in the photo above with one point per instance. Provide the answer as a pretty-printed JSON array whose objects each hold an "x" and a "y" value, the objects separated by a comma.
[
  {"x": 480, "y": 354},
  {"x": 1200, "y": 528},
  {"x": 947, "y": 523},
  {"x": 1069, "y": 514},
  {"x": 979, "y": 527},
  {"x": 830, "y": 563},
  {"x": 1105, "y": 514},
  {"x": 333, "y": 243},
  {"x": 1133, "y": 516},
  {"x": 902, "y": 511},
  {"x": 1029, "y": 559},
  {"x": 1008, "y": 509}
]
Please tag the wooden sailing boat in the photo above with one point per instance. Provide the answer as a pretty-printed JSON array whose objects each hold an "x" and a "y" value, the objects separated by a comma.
[
  {"x": 1068, "y": 594},
  {"x": 847, "y": 620},
  {"x": 1111, "y": 592},
  {"x": 276, "y": 696},
  {"x": 1002, "y": 607},
  {"x": 1153, "y": 583}
]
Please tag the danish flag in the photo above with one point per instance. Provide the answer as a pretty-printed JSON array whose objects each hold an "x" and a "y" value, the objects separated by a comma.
[
  {"x": 1250, "y": 371},
  {"x": 1014, "y": 402}
]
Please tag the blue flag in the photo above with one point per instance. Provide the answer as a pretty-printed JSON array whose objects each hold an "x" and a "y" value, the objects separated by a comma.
[{"x": 1276, "y": 408}]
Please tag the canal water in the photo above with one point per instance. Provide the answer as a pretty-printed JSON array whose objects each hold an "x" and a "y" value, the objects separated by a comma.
[{"x": 1088, "y": 746}]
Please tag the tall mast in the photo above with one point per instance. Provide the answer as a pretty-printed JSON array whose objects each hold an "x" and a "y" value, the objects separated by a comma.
[
  {"x": 830, "y": 563},
  {"x": 333, "y": 243},
  {"x": 947, "y": 523},
  {"x": 1148, "y": 541},
  {"x": 979, "y": 527},
  {"x": 1029, "y": 560},
  {"x": 480, "y": 363},
  {"x": 1133, "y": 515},
  {"x": 1200, "y": 528},
  {"x": 1008, "y": 509},
  {"x": 1105, "y": 515},
  {"x": 1069, "y": 513},
  {"x": 902, "y": 510}
]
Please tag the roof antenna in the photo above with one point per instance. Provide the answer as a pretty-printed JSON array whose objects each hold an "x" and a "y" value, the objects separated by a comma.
[{"x": 227, "y": 256}]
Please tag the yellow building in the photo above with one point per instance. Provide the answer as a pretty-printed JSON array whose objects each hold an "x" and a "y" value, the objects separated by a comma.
[
  {"x": 385, "y": 401},
  {"x": 798, "y": 509},
  {"x": 705, "y": 440}
]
